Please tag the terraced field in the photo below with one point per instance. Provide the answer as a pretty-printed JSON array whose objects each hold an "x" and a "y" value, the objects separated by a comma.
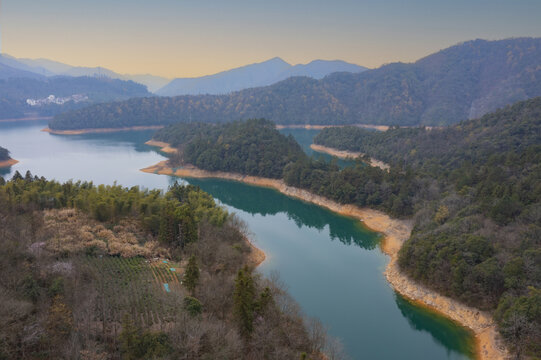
[{"x": 148, "y": 290}]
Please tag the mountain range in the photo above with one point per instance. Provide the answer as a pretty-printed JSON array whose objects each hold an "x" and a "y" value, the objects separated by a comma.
[
  {"x": 47, "y": 68},
  {"x": 464, "y": 81},
  {"x": 254, "y": 75}
]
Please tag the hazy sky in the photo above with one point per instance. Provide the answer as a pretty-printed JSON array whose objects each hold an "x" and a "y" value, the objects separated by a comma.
[{"x": 198, "y": 37}]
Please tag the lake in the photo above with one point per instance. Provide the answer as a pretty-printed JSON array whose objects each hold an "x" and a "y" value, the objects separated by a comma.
[{"x": 331, "y": 264}]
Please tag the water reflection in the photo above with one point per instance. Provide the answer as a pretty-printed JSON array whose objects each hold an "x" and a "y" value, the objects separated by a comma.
[
  {"x": 255, "y": 200},
  {"x": 442, "y": 330}
]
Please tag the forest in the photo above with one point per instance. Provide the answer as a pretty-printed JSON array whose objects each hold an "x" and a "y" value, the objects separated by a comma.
[
  {"x": 464, "y": 81},
  {"x": 473, "y": 190},
  {"x": 477, "y": 234},
  {"x": 4, "y": 154},
  {"x": 107, "y": 272},
  {"x": 15, "y": 91},
  {"x": 251, "y": 147}
]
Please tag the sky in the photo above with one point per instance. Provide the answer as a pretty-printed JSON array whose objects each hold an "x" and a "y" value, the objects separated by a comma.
[{"x": 189, "y": 38}]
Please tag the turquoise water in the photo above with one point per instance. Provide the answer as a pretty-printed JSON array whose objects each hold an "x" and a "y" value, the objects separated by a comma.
[
  {"x": 305, "y": 138},
  {"x": 331, "y": 264}
]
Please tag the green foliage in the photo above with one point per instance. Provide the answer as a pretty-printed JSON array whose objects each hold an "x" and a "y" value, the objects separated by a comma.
[
  {"x": 138, "y": 344},
  {"x": 482, "y": 176},
  {"x": 466, "y": 80},
  {"x": 362, "y": 185},
  {"x": 252, "y": 147},
  {"x": 191, "y": 276},
  {"x": 243, "y": 300},
  {"x": 193, "y": 306},
  {"x": 173, "y": 216},
  {"x": 31, "y": 288},
  {"x": 57, "y": 287},
  {"x": 264, "y": 301},
  {"x": 519, "y": 319}
]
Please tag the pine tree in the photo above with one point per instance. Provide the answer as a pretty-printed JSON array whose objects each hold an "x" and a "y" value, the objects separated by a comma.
[
  {"x": 243, "y": 299},
  {"x": 129, "y": 338},
  {"x": 191, "y": 276}
]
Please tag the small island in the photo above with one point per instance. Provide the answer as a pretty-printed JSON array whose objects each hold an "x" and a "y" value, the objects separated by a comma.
[{"x": 5, "y": 159}]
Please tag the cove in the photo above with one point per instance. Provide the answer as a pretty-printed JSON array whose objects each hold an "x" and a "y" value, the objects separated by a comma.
[{"x": 331, "y": 264}]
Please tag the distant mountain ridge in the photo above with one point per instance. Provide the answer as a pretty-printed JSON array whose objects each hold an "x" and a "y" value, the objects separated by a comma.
[
  {"x": 464, "y": 81},
  {"x": 254, "y": 75},
  {"x": 45, "y": 67}
]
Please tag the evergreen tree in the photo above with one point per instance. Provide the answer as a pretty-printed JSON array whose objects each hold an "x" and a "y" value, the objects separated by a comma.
[
  {"x": 191, "y": 276},
  {"x": 243, "y": 299},
  {"x": 129, "y": 338}
]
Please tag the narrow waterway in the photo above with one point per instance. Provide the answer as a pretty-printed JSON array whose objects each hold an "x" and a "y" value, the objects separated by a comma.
[{"x": 331, "y": 264}]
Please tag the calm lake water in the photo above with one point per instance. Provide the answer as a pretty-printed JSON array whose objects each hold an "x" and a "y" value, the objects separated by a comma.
[{"x": 331, "y": 264}]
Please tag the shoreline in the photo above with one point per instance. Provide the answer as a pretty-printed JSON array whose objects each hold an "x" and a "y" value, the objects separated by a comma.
[
  {"x": 100, "y": 130},
  {"x": 164, "y": 147},
  {"x": 257, "y": 256},
  {"x": 30, "y": 118},
  {"x": 321, "y": 127},
  {"x": 395, "y": 233},
  {"x": 345, "y": 154},
  {"x": 8, "y": 163}
]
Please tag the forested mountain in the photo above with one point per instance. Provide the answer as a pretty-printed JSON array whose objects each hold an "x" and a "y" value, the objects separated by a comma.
[
  {"x": 252, "y": 147},
  {"x": 461, "y": 82},
  {"x": 69, "y": 93},
  {"x": 98, "y": 272},
  {"x": 7, "y": 72},
  {"x": 477, "y": 207},
  {"x": 4, "y": 154},
  {"x": 254, "y": 75},
  {"x": 45, "y": 67}
]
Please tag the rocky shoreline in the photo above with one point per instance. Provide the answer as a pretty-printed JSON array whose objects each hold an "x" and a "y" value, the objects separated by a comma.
[
  {"x": 396, "y": 232},
  {"x": 345, "y": 154},
  {"x": 164, "y": 147}
]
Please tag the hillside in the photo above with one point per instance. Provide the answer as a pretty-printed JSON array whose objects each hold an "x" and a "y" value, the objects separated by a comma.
[
  {"x": 254, "y": 75},
  {"x": 7, "y": 72},
  {"x": 102, "y": 272},
  {"x": 69, "y": 93},
  {"x": 4, "y": 154},
  {"x": 476, "y": 207},
  {"x": 472, "y": 189},
  {"x": 252, "y": 147},
  {"x": 461, "y": 82},
  {"x": 45, "y": 67}
]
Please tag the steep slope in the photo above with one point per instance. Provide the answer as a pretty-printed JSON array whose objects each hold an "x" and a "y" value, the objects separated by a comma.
[
  {"x": 476, "y": 201},
  {"x": 465, "y": 80},
  {"x": 254, "y": 75}
]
